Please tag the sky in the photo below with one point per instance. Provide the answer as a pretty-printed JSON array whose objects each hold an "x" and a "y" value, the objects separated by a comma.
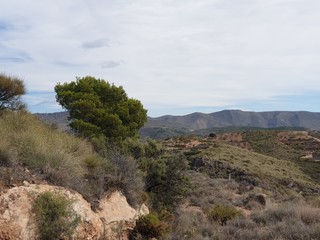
[{"x": 175, "y": 56}]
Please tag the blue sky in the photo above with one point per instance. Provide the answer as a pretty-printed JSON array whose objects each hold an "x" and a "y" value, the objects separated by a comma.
[{"x": 176, "y": 57}]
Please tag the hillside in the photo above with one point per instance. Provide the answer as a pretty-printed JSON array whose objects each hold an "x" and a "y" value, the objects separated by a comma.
[
  {"x": 270, "y": 177},
  {"x": 254, "y": 184}
]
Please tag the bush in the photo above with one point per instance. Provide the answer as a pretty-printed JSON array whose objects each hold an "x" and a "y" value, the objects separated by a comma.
[
  {"x": 54, "y": 216},
  {"x": 149, "y": 226},
  {"x": 288, "y": 221},
  {"x": 192, "y": 225},
  {"x": 223, "y": 213},
  {"x": 166, "y": 181},
  {"x": 128, "y": 177},
  {"x": 11, "y": 90}
]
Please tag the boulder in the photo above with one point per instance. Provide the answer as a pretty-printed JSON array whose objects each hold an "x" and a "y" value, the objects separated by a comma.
[{"x": 114, "y": 219}]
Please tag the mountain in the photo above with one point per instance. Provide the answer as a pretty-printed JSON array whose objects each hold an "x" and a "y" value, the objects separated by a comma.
[
  {"x": 202, "y": 124},
  {"x": 238, "y": 118},
  {"x": 60, "y": 119}
]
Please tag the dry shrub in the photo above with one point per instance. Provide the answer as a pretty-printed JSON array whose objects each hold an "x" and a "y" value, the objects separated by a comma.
[
  {"x": 127, "y": 177},
  {"x": 308, "y": 215},
  {"x": 287, "y": 221},
  {"x": 244, "y": 229},
  {"x": 208, "y": 191},
  {"x": 192, "y": 225}
]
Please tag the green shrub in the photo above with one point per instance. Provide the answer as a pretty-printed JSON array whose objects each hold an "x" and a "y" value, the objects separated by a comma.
[
  {"x": 223, "y": 213},
  {"x": 166, "y": 181},
  {"x": 149, "y": 226},
  {"x": 54, "y": 216}
]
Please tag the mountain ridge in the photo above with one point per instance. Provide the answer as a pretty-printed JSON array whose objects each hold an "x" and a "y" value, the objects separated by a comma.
[
  {"x": 198, "y": 121},
  {"x": 239, "y": 118}
]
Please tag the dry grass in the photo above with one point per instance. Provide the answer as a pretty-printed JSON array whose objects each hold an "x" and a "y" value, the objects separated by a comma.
[
  {"x": 63, "y": 159},
  {"x": 56, "y": 155}
]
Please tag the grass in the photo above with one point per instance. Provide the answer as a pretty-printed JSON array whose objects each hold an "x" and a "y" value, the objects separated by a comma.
[
  {"x": 267, "y": 143},
  {"x": 57, "y": 155},
  {"x": 63, "y": 159},
  {"x": 262, "y": 167}
]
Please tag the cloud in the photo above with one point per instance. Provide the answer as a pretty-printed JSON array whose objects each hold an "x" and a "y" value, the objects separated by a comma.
[
  {"x": 110, "y": 64},
  {"x": 96, "y": 43},
  {"x": 13, "y": 55},
  {"x": 179, "y": 54},
  {"x": 15, "y": 59},
  {"x": 4, "y": 26},
  {"x": 62, "y": 63}
]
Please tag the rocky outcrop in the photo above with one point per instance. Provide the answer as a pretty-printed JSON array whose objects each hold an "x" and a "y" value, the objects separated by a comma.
[{"x": 113, "y": 220}]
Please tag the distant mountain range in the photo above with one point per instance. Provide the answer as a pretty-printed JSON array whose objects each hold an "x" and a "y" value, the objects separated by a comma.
[
  {"x": 201, "y": 123},
  {"x": 238, "y": 118}
]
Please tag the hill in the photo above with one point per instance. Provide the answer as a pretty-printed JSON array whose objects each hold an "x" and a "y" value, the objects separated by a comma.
[
  {"x": 253, "y": 184},
  {"x": 270, "y": 176}
]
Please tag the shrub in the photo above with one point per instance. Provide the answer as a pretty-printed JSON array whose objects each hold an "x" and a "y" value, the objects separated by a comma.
[
  {"x": 149, "y": 226},
  {"x": 4, "y": 158},
  {"x": 166, "y": 181},
  {"x": 153, "y": 149},
  {"x": 273, "y": 215},
  {"x": 192, "y": 225},
  {"x": 54, "y": 216},
  {"x": 11, "y": 90},
  {"x": 128, "y": 177},
  {"x": 223, "y": 213},
  {"x": 288, "y": 221}
]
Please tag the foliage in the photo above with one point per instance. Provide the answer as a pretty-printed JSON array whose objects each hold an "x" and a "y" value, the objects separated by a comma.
[
  {"x": 54, "y": 216},
  {"x": 128, "y": 177},
  {"x": 98, "y": 107},
  {"x": 149, "y": 226},
  {"x": 11, "y": 89},
  {"x": 222, "y": 213},
  {"x": 166, "y": 180}
]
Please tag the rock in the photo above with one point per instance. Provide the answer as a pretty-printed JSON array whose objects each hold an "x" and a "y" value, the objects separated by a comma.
[
  {"x": 256, "y": 197},
  {"x": 26, "y": 183},
  {"x": 114, "y": 219}
]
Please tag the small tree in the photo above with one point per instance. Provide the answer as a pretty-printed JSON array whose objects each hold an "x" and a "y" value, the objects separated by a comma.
[
  {"x": 11, "y": 89},
  {"x": 166, "y": 181},
  {"x": 97, "y": 107}
]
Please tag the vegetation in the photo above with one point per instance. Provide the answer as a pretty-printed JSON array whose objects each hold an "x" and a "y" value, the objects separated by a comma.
[
  {"x": 166, "y": 181},
  {"x": 54, "y": 216},
  {"x": 97, "y": 107},
  {"x": 149, "y": 226},
  {"x": 254, "y": 187},
  {"x": 11, "y": 89},
  {"x": 222, "y": 213}
]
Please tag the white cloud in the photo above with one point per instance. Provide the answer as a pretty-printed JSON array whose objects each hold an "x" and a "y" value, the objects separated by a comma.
[{"x": 208, "y": 53}]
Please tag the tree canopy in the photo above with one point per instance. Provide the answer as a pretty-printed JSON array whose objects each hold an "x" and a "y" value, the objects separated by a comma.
[
  {"x": 98, "y": 107},
  {"x": 11, "y": 89}
]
